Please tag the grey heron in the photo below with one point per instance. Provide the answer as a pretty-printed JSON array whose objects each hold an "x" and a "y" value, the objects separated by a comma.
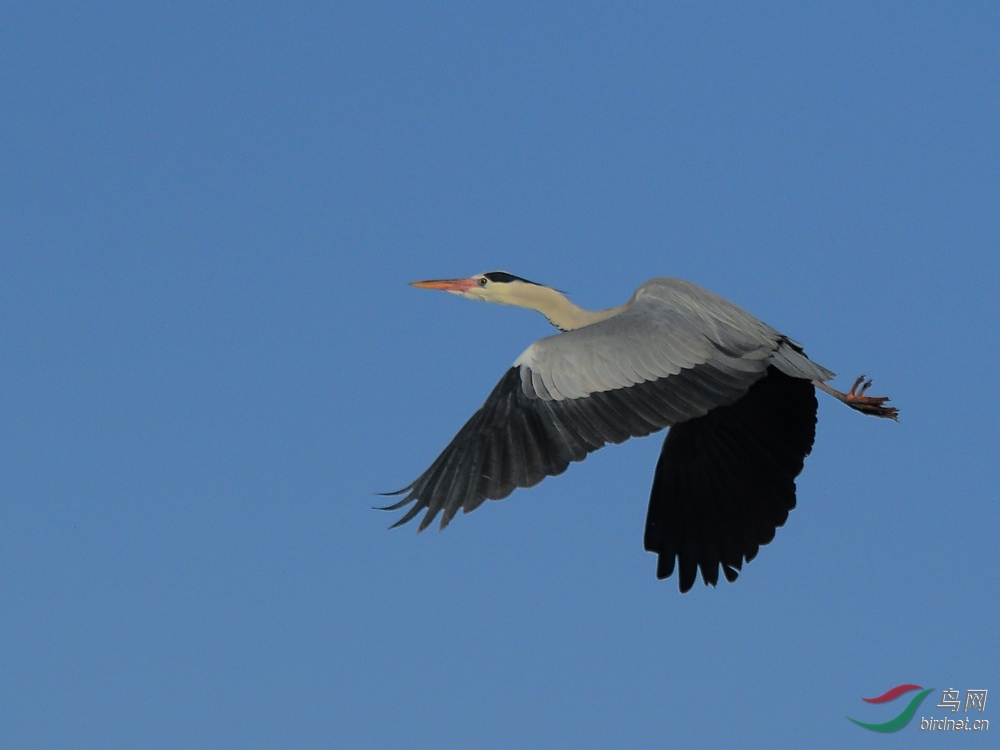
[{"x": 738, "y": 397}]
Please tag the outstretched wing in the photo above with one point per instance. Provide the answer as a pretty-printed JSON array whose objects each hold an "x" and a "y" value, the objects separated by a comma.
[
  {"x": 672, "y": 355},
  {"x": 726, "y": 481}
]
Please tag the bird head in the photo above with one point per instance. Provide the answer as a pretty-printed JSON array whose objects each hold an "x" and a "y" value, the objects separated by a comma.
[{"x": 496, "y": 286}]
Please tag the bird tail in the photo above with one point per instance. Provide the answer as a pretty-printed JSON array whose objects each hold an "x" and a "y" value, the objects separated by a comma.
[{"x": 791, "y": 360}]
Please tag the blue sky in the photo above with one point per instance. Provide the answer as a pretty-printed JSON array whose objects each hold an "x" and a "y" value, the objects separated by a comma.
[{"x": 211, "y": 363}]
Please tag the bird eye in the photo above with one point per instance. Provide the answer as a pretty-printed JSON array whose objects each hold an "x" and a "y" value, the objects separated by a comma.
[{"x": 482, "y": 281}]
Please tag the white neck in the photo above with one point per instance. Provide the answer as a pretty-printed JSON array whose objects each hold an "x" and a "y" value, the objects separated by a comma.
[{"x": 554, "y": 305}]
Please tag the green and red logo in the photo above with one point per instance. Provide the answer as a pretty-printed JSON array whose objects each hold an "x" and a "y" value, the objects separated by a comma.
[{"x": 894, "y": 725}]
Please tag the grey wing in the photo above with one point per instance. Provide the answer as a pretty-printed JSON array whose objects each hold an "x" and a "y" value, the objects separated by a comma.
[{"x": 656, "y": 364}]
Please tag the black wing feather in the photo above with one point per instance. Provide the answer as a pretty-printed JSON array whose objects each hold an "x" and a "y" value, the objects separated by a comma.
[
  {"x": 516, "y": 440},
  {"x": 725, "y": 481}
]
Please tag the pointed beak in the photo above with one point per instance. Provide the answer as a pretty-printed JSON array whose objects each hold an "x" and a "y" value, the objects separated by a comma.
[{"x": 446, "y": 285}]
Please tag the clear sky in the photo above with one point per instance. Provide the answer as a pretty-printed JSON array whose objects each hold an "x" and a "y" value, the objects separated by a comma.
[{"x": 211, "y": 362}]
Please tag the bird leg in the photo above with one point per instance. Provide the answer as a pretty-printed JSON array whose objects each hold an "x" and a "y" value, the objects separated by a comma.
[{"x": 856, "y": 399}]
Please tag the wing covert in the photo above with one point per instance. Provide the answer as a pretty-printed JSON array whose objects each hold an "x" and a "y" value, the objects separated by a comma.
[{"x": 652, "y": 338}]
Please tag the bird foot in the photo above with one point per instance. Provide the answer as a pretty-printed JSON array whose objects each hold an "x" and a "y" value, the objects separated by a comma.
[{"x": 858, "y": 400}]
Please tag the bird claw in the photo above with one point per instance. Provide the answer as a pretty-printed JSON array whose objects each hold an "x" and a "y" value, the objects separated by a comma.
[
  {"x": 853, "y": 393},
  {"x": 858, "y": 399},
  {"x": 874, "y": 405}
]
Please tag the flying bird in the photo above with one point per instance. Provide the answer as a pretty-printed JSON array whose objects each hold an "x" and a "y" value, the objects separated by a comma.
[{"x": 738, "y": 396}]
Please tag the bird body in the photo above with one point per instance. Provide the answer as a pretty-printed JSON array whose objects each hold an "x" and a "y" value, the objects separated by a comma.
[{"x": 737, "y": 395}]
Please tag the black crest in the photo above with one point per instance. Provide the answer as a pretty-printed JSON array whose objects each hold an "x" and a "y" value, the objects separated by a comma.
[{"x": 502, "y": 277}]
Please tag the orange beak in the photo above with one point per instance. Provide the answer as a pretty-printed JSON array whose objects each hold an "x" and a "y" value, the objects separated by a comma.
[{"x": 446, "y": 285}]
